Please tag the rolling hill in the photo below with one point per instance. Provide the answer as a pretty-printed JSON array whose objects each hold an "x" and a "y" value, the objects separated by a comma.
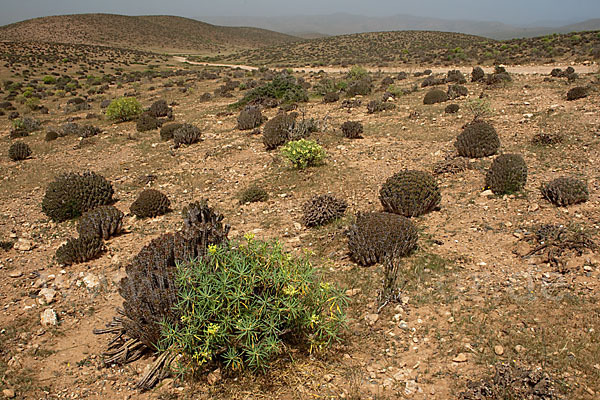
[
  {"x": 153, "y": 33},
  {"x": 345, "y": 23},
  {"x": 421, "y": 48}
]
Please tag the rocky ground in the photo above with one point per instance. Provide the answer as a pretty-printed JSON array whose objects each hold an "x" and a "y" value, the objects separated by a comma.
[{"x": 473, "y": 296}]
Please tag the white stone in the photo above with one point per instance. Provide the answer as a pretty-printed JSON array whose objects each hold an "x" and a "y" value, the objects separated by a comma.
[
  {"x": 48, "y": 318},
  {"x": 23, "y": 245},
  {"x": 91, "y": 281},
  {"x": 46, "y": 296}
]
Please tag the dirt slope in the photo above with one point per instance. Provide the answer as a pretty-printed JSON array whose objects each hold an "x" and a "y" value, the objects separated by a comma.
[{"x": 158, "y": 33}]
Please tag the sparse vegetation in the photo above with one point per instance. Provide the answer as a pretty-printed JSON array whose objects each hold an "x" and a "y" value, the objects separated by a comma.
[{"x": 429, "y": 320}]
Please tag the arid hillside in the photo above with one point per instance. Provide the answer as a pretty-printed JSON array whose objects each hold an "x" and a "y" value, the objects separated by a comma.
[
  {"x": 422, "y": 47},
  {"x": 157, "y": 33}
]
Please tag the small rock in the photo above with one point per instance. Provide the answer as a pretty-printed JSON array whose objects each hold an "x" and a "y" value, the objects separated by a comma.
[
  {"x": 9, "y": 393},
  {"x": 518, "y": 348},
  {"x": 23, "y": 245},
  {"x": 214, "y": 376},
  {"x": 15, "y": 274},
  {"x": 352, "y": 292},
  {"x": 460, "y": 358},
  {"x": 486, "y": 193},
  {"x": 522, "y": 249},
  {"x": 48, "y": 318},
  {"x": 534, "y": 207},
  {"x": 91, "y": 281},
  {"x": 410, "y": 387},
  {"x": 297, "y": 226},
  {"x": 371, "y": 319},
  {"x": 499, "y": 350},
  {"x": 46, "y": 296}
]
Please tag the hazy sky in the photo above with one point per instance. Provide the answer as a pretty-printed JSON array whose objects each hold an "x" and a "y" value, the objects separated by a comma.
[{"x": 508, "y": 11}]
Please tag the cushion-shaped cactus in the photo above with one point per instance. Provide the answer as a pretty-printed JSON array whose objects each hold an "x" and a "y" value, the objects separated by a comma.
[
  {"x": 150, "y": 203},
  {"x": 19, "y": 151},
  {"x": 377, "y": 235},
  {"x": 103, "y": 221},
  {"x": 81, "y": 249},
  {"x": 352, "y": 129},
  {"x": 565, "y": 191},
  {"x": 478, "y": 139},
  {"x": 576, "y": 93},
  {"x": 71, "y": 194},
  {"x": 186, "y": 134},
  {"x": 250, "y": 117},
  {"x": 149, "y": 290},
  {"x": 435, "y": 96},
  {"x": 410, "y": 193},
  {"x": 277, "y": 131},
  {"x": 508, "y": 174},
  {"x": 322, "y": 209}
]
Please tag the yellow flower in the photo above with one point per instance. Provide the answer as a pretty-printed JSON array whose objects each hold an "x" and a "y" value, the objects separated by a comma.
[
  {"x": 289, "y": 290},
  {"x": 212, "y": 248},
  {"x": 212, "y": 329}
]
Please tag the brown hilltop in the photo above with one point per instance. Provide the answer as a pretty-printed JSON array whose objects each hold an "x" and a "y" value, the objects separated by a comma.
[{"x": 156, "y": 33}]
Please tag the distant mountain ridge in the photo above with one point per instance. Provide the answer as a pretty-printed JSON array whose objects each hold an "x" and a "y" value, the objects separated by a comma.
[
  {"x": 343, "y": 23},
  {"x": 155, "y": 33}
]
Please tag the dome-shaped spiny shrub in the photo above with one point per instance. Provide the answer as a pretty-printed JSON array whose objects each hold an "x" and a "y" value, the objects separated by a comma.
[
  {"x": 71, "y": 194},
  {"x": 19, "y": 151},
  {"x": 478, "y": 139},
  {"x": 147, "y": 122},
  {"x": 186, "y": 134},
  {"x": 435, "y": 96},
  {"x": 452, "y": 108},
  {"x": 576, "y": 93},
  {"x": 322, "y": 209},
  {"x": 166, "y": 132},
  {"x": 508, "y": 174},
  {"x": 477, "y": 75},
  {"x": 276, "y": 131},
  {"x": 150, "y": 203},
  {"x": 565, "y": 191},
  {"x": 250, "y": 117},
  {"x": 352, "y": 129},
  {"x": 376, "y": 235},
  {"x": 103, "y": 221},
  {"x": 78, "y": 250},
  {"x": 253, "y": 194},
  {"x": 410, "y": 193},
  {"x": 160, "y": 108}
]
